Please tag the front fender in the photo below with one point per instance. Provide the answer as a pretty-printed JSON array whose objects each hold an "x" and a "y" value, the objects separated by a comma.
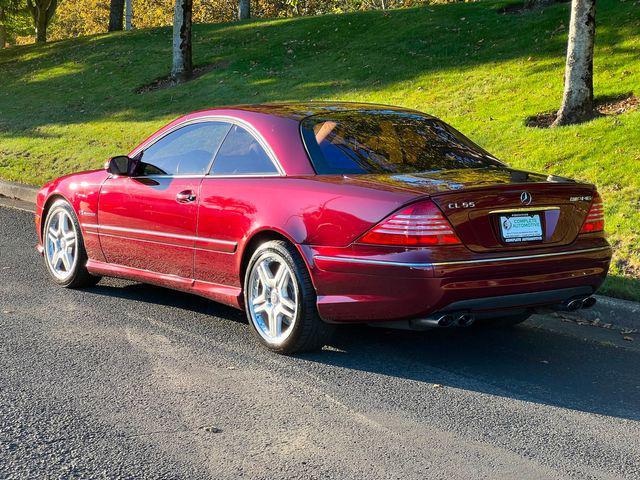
[{"x": 82, "y": 192}]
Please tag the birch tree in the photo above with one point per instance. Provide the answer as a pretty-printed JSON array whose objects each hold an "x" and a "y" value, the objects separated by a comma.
[
  {"x": 127, "y": 15},
  {"x": 577, "y": 100},
  {"x": 42, "y": 11},
  {"x": 244, "y": 9},
  {"x": 182, "y": 68}
]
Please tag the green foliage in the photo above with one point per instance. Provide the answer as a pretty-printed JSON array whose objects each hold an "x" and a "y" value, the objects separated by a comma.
[
  {"x": 14, "y": 20},
  {"x": 86, "y": 17},
  {"x": 69, "y": 105}
]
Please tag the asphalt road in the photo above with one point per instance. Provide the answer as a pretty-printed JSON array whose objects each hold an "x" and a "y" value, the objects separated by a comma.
[{"x": 131, "y": 381}]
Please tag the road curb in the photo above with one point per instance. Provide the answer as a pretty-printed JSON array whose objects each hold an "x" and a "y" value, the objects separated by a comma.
[
  {"x": 19, "y": 191},
  {"x": 608, "y": 310}
]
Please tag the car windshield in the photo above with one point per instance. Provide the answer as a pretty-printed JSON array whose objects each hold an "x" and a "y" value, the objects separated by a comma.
[{"x": 387, "y": 141}]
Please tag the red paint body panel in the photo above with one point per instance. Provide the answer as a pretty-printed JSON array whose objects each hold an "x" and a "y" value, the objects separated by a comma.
[
  {"x": 353, "y": 291},
  {"x": 479, "y": 228},
  {"x": 219, "y": 293},
  {"x": 306, "y": 210},
  {"x": 136, "y": 228},
  {"x": 82, "y": 191},
  {"x": 143, "y": 215}
]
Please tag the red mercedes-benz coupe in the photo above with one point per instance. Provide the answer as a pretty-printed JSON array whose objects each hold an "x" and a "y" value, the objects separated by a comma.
[{"x": 311, "y": 215}]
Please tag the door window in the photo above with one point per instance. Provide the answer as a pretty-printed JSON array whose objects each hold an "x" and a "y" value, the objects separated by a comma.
[
  {"x": 186, "y": 151},
  {"x": 241, "y": 154}
]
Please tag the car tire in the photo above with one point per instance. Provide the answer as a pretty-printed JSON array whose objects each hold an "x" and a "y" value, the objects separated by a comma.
[
  {"x": 67, "y": 269},
  {"x": 504, "y": 322},
  {"x": 281, "y": 307}
]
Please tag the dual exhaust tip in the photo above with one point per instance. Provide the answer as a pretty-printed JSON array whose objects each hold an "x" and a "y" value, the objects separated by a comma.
[
  {"x": 467, "y": 319},
  {"x": 578, "y": 303},
  {"x": 447, "y": 320}
]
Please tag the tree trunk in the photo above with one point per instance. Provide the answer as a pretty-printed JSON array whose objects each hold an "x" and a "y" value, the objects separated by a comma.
[
  {"x": 116, "y": 13},
  {"x": 244, "y": 9},
  {"x": 577, "y": 101},
  {"x": 182, "y": 67},
  {"x": 3, "y": 29},
  {"x": 127, "y": 15},
  {"x": 42, "y": 11},
  {"x": 41, "y": 27}
]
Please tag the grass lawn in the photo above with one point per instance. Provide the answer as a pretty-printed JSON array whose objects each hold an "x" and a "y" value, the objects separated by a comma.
[{"x": 70, "y": 105}]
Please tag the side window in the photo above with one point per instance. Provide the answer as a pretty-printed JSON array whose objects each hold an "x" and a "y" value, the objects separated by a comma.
[
  {"x": 186, "y": 151},
  {"x": 241, "y": 154}
]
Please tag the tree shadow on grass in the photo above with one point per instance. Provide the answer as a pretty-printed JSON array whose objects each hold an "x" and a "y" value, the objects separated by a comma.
[
  {"x": 304, "y": 58},
  {"x": 294, "y": 59},
  {"x": 605, "y": 105},
  {"x": 94, "y": 78}
]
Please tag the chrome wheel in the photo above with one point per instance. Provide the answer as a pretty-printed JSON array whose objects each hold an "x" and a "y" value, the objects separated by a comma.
[
  {"x": 273, "y": 298},
  {"x": 61, "y": 245}
]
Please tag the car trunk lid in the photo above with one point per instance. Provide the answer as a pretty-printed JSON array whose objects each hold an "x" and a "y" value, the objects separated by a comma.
[{"x": 498, "y": 208}]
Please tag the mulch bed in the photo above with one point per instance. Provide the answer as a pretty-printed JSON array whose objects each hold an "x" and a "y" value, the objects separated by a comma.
[
  {"x": 167, "y": 82},
  {"x": 603, "y": 106}
]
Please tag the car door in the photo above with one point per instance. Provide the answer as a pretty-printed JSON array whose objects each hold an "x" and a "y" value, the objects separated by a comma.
[
  {"x": 148, "y": 221},
  {"x": 230, "y": 200}
]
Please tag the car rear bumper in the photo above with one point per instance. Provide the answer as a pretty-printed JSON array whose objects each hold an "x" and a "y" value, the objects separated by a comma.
[{"x": 369, "y": 289}]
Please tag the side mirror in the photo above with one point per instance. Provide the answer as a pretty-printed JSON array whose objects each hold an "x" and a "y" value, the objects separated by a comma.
[{"x": 121, "y": 165}]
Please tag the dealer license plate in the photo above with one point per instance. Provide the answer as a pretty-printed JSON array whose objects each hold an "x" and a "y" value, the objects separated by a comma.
[{"x": 521, "y": 227}]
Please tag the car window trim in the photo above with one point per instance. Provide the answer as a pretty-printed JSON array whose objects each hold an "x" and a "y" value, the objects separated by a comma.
[
  {"x": 427, "y": 116},
  {"x": 214, "y": 118},
  {"x": 215, "y": 154},
  {"x": 231, "y": 175},
  {"x": 140, "y": 151},
  {"x": 195, "y": 176},
  {"x": 304, "y": 144}
]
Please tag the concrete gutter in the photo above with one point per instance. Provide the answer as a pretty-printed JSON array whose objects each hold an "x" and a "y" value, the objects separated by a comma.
[
  {"x": 608, "y": 312},
  {"x": 20, "y": 191}
]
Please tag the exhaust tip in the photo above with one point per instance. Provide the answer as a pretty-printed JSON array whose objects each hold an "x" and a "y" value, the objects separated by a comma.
[
  {"x": 574, "y": 305},
  {"x": 466, "y": 320},
  {"x": 589, "y": 302},
  {"x": 446, "y": 321}
]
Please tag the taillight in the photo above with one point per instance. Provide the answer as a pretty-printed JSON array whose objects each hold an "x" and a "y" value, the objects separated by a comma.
[
  {"x": 417, "y": 225},
  {"x": 595, "y": 218}
]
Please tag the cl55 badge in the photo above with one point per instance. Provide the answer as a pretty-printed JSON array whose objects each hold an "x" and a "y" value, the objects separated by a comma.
[{"x": 462, "y": 205}]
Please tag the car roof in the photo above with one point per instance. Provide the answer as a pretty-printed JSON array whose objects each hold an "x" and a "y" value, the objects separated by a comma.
[
  {"x": 301, "y": 110},
  {"x": 279, "y": 126}
]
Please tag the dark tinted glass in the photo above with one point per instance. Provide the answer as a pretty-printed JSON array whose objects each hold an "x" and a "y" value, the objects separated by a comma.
[
  {"x": 187, "y": 151},
  {"x": 241, "y": 154},
  {"x": 386, "y": 141}
]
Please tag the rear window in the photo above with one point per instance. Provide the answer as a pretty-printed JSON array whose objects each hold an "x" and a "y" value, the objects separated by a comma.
[{"x": 387, "y": 141}]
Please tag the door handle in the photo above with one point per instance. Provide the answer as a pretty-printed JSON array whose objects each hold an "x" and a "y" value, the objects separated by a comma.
[{"x": 186, "y": 196}]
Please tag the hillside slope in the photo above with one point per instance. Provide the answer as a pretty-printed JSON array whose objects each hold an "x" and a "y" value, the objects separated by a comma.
[{"x": 69, "y": 105}]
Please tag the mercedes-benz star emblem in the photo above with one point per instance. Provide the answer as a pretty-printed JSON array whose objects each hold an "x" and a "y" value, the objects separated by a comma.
[{"x": 526, "y": 198}]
